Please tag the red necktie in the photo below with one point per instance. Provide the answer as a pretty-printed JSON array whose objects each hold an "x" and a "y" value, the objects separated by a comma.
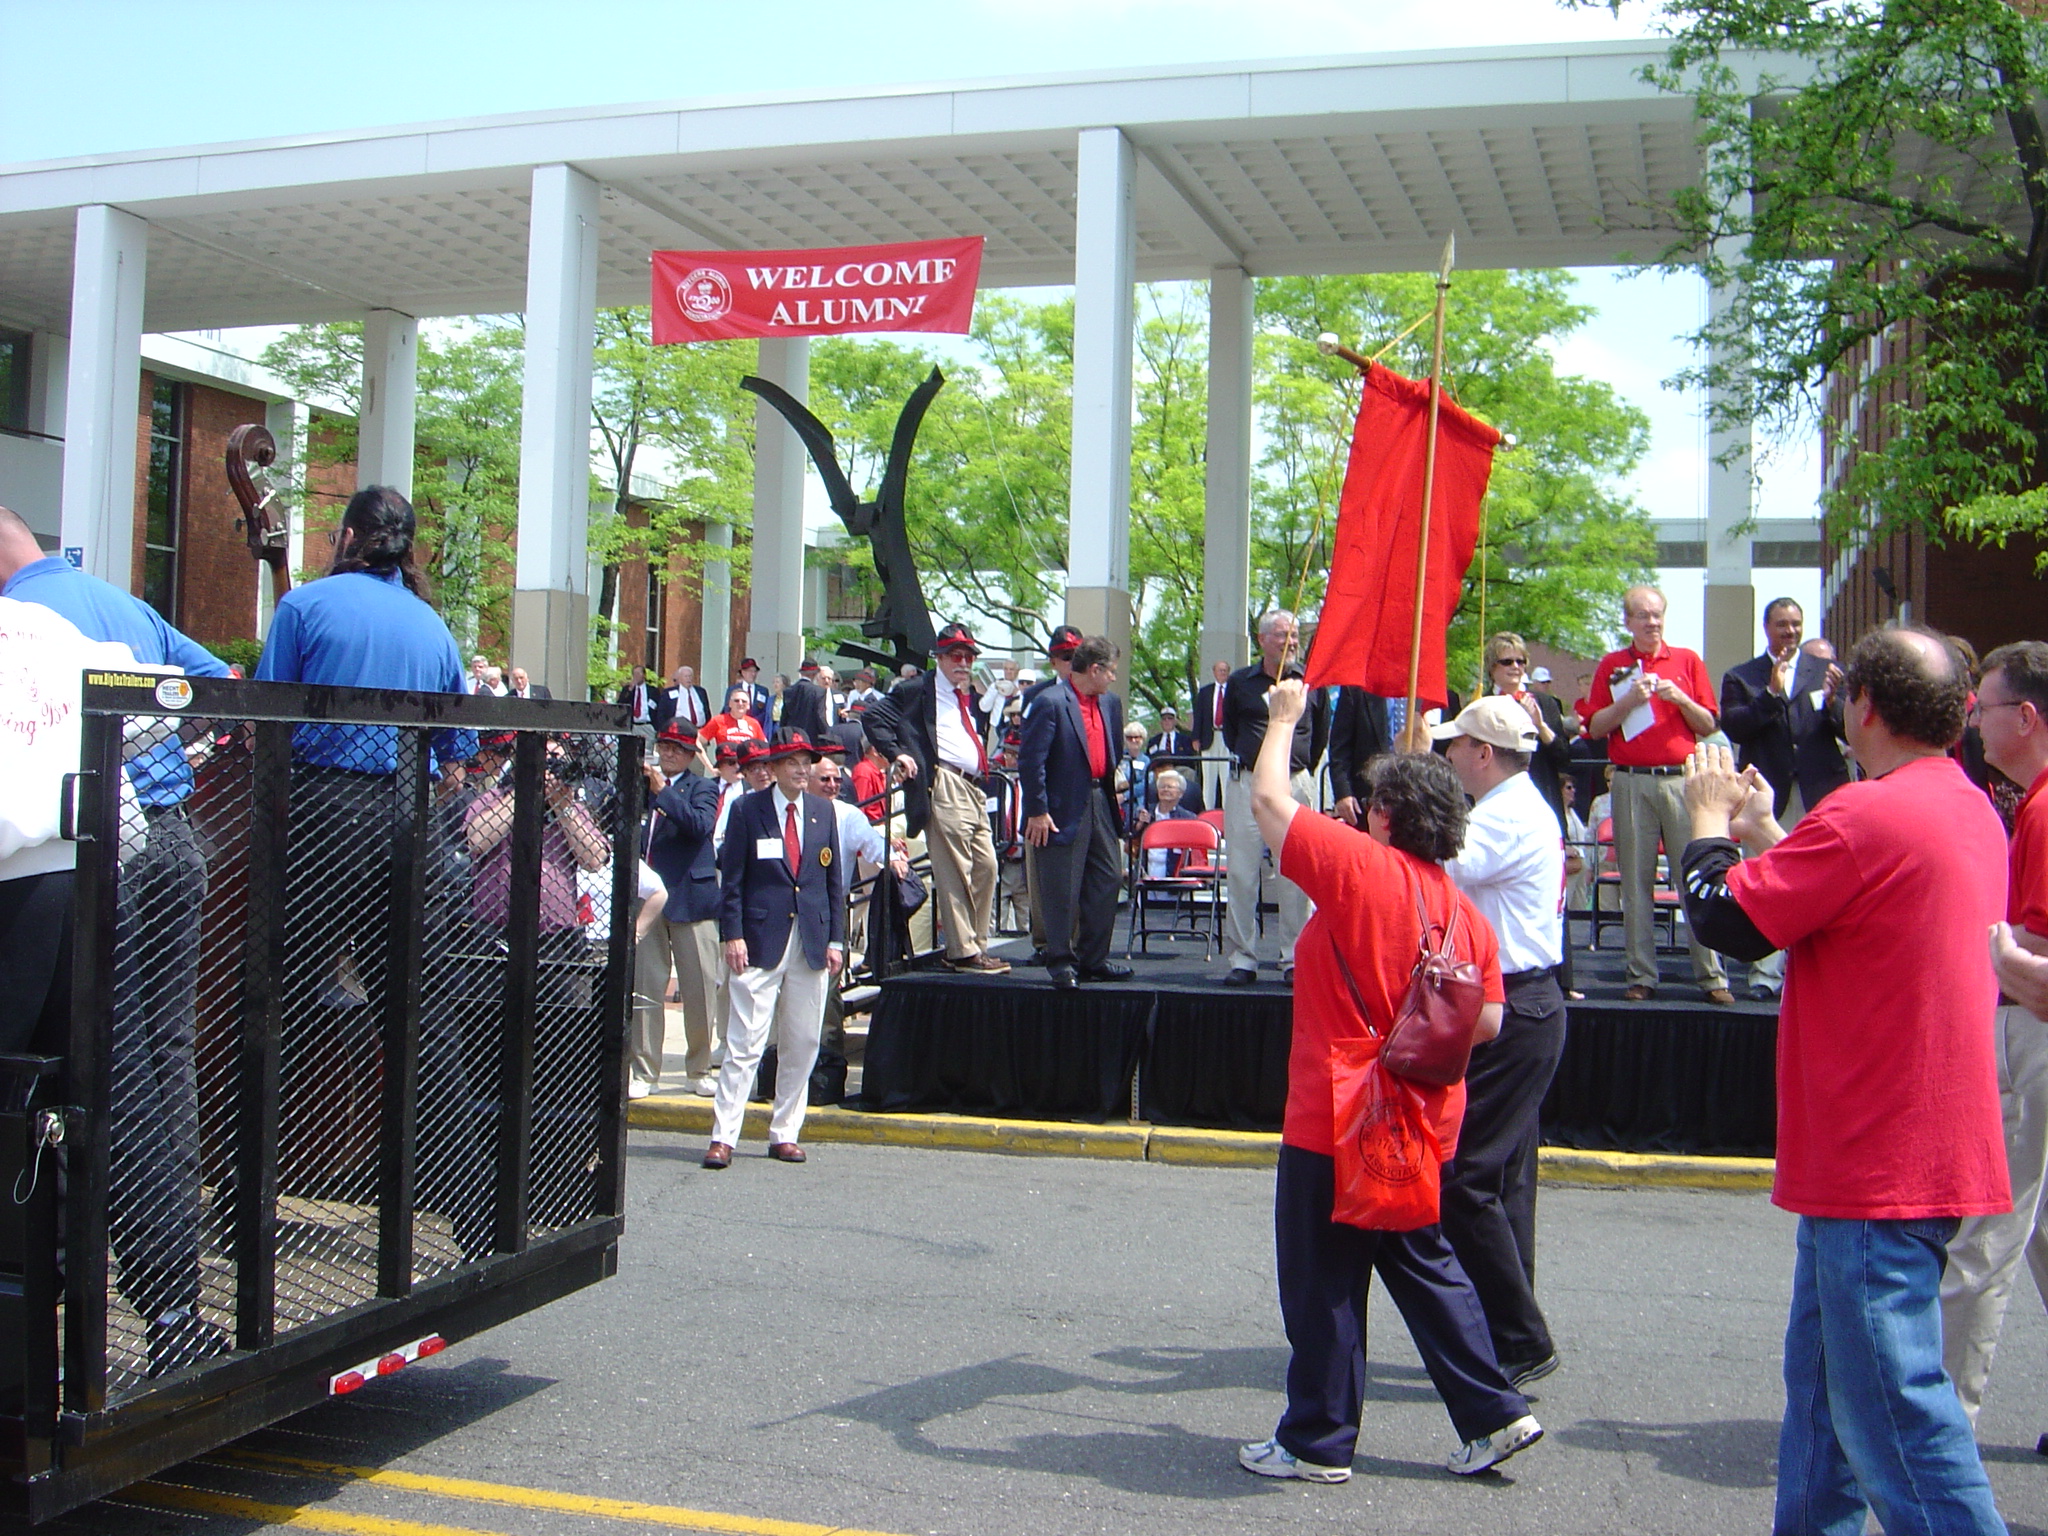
[
  {"x": 792, "y": 843},
  {"x": 1218, "y": 722},
  {"x": 967, "y": 723}
]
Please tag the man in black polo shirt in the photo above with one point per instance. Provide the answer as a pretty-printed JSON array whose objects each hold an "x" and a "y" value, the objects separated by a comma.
[{"x": 1244, "y": 731}]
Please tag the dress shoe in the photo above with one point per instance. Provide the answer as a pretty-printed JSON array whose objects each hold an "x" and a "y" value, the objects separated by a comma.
[
  {"x": 1639, "y": 994},
  {"x": 785, "y": 1151},
  {"x": 1107, "y": 971},
  {"x": 1762, "y": 994},
  {"x": 1064, "y": 977},
  {"x": 980, "y": 964},
  {"x": 718, "y": 1155},
  {"x": 1037, "y": 957},
  {"x": 1286, "y": 975},
  {"x": 1240, "y": 977},
  {"x": 1720, "y": 997}
]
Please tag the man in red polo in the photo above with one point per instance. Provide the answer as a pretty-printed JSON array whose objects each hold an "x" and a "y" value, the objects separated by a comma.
[
  {"x": 2011, "y": 714},
  {"x": 1653, "y": 702}
]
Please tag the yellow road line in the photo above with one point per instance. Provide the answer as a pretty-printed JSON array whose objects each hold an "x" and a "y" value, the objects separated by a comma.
[
  {"x": 178, "y": 1499},
  {"x": 533, "y": 1498}
]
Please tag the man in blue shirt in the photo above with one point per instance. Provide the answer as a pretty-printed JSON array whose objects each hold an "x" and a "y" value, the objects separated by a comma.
[{"x": 154, "y": 1209}]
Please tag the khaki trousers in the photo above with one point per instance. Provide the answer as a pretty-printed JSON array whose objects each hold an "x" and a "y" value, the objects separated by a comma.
[
  {"x": 963, "y": 863},
  {"x": 693, "y": 950},
  {"x": 1984, "y": 1255},
  {"x": 1246, "y": 852},
  {"x": 1647, "y": 806},
  {"x": 788, "y": 997}
]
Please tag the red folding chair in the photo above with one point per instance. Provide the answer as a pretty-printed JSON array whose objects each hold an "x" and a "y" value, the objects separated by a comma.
[{"x": 1198, "y": 871}]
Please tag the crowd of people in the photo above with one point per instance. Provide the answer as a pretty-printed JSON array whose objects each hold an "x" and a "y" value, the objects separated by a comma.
[{"x": 1867, "y": 835}]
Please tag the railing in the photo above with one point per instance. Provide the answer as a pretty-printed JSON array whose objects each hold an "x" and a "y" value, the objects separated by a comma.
[{"x": 345, "y": 1064}]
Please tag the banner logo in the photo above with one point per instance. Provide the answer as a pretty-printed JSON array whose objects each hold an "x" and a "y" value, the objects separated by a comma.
[{"x": 704, "y": 296}]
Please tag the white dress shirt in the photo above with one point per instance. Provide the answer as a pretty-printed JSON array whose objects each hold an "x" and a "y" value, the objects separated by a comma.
[
  {"x": 727, "y": 794},
  {"x": 860, "y": 840},
  {"x": 955, "y": 745},
  {"x": 687, "y": 708},
  {"x": 1512, "y": 866}
]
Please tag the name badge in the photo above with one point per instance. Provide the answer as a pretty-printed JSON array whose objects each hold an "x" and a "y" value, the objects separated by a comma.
[
  {"x": 769, "y": 848},
  {"x": 1818, "y": 699}
]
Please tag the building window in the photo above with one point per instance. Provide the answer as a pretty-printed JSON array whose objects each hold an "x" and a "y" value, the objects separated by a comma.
[
  {"x": 847, "y": 599},
  {"x": 14, "y": 380},
  {"x": 161, "y": 535},
  {"x": 657, "y": 628}
]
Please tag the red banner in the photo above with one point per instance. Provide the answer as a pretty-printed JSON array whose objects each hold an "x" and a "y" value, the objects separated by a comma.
[
  {"x": 1368, "y": 614},
  {"x": 927, "y": 285}
]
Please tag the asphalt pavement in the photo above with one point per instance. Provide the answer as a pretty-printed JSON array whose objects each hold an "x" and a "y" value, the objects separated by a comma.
[{"x": 907, "y": 1341}]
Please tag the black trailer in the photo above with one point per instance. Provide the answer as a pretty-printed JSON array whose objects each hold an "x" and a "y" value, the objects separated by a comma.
[{"x": 345, "y": 1073}]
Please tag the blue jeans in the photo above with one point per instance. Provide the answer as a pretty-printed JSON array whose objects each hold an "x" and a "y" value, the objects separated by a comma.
[{"x": 1870, "y": 1415}]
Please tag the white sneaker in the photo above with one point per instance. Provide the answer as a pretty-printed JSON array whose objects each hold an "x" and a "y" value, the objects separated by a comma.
[
  {"x": 638, "y": 1090},
  {"x": 705, "y": 1087},
  {"x": 1269, "y": 1458},
  {"x": 1491, "y": 1450}
]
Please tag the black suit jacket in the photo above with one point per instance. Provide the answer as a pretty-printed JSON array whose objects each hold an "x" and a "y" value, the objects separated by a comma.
[
  {"x": 654, "y": 697},
  {"x": 803, "y": 709},
  {"x": 1358, "y": 734},
  {"x": 1205, "y": 716},
  {"x": 1785, "y": 738},
  {"x": 533, "y": 691},
  {"x": 760, "y": 703},
  {"x": 1171, "y": 744},
  {"x": 679, "y": 848},
  {"x": 907, "y": 722},
  {"x": 1054, "y": 761},
  {"x": 671, "y": 705},
  {"x": 760, "y": 899}
]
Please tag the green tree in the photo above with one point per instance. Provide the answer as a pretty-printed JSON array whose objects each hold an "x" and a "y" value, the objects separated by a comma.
[{"x": 1877, "y": 170}]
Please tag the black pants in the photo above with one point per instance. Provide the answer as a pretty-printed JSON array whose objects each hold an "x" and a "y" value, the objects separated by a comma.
[
  {"x": 1489, "y": 1195},
  {"x": 1326, "y": 1271},
  {"x": 35, "y": 967},
  {"x": 1077, "y": 884},
  {"x": 154, "y": 1208}
]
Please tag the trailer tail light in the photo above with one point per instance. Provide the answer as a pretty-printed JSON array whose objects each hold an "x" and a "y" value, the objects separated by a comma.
[{"x": 385, "y": 1365}]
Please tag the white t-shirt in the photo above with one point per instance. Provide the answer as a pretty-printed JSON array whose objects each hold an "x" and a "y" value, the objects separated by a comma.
[
  {"x": 1512, "y": 866},
  {"x": 42, "y": 654}
]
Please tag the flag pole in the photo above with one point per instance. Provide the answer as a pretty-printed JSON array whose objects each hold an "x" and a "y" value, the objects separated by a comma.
[{"x": 1436, "y": 387}]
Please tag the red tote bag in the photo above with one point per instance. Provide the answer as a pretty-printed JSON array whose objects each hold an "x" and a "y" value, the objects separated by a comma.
[{"x": 1389, "y": 1162}]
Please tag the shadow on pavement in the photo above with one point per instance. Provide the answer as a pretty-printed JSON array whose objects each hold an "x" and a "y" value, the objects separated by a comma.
[{"x": 1726, "y": 1453}]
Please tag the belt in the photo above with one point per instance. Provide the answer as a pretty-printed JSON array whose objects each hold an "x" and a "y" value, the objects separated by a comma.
[
  {"x": 974, "y": 779},
  {"x": 1538, "y": 973},
  {"x": 1655, "y": 773}
]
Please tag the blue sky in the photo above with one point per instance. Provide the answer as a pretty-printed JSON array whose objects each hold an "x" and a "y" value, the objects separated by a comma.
[{"x": 203, "y": 71}]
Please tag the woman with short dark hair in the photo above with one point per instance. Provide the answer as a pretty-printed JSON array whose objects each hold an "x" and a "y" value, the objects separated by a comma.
[{"x": 1352, "y": 966}]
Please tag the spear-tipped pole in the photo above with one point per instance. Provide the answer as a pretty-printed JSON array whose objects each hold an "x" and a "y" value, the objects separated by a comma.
[{"x": 1436, "y": 386}]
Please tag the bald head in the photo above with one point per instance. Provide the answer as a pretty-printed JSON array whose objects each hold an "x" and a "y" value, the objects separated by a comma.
[
  {"x": 18, "y": 546},
  {"x": 1914, "y": 685}
]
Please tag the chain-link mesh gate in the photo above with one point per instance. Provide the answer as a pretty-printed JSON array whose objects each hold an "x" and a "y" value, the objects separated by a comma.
[{"x": 349, "y": 1017}]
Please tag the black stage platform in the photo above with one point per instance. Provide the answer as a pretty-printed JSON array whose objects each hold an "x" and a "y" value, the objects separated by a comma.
[{"x": 1672, "y": 1075}]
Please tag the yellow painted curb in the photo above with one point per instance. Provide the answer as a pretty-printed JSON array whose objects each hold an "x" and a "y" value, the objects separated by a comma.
[
  {"x": 1569, "y": 1165},
  {"x": 1182, "y": 1145}
]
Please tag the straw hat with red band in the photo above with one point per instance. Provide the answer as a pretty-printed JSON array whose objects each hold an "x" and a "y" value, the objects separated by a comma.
[
  {"x": 794, "y": 743},
  {"x": 956, "y": 637}
]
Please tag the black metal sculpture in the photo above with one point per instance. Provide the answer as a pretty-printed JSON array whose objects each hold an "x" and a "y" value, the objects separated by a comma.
[{"x": 902, "y": 619}]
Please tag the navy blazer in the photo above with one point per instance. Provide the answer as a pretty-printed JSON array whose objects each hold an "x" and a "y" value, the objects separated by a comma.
[
  {"x": 679, "y": 848},
  {"x": 1054, "y": 761},
  {"x": 907, "y": 721},
  {"x": 803, "y": 709},
  {"x": 1785, "y": 738},
  {"x": 761, "y": 899}
]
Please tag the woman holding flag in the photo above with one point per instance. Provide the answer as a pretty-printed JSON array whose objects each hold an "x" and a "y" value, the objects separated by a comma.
[{"x": 1352, "y": 968}]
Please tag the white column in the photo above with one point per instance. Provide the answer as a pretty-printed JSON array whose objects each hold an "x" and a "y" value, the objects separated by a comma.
[
  {"x": 1227, "y": 487},
  {"x": 714, "y": 650},
  {"x": 109, "y": 266},
  {"x": 1731, "y": 632},
  {"x": 384, "y": 421},
  {"x": 1099, "y": 501},
  {"x": 775, "y": 622},
  {"x": 551, "y": 592}
]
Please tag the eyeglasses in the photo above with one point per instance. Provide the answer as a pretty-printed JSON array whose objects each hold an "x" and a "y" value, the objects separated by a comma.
[{"x": 1977, "y": 709}]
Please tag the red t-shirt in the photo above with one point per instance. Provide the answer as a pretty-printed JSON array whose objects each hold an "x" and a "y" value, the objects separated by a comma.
[
  {"x": 1669, "y": 740},
  {"x": 1887, "y": 1085},
  {"x": 1096, "y": 732},
  {"x": 867, "y": 785},
  {"x": 1364, "y": 893},
  {"x": 727, "y": 728},
  {"x": 2026, "y": 904}
]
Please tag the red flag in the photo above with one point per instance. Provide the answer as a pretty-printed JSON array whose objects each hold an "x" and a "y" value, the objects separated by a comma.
[
  {"x": 927, "y": 285},
  {"x": 1369, "y": 610}
]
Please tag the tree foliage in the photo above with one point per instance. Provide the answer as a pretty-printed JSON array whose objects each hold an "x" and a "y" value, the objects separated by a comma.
[{"x": 1876, "y": 171}]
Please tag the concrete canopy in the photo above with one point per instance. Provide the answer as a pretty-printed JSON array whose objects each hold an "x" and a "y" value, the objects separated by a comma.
[{"x": 1531, "y": 156}]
